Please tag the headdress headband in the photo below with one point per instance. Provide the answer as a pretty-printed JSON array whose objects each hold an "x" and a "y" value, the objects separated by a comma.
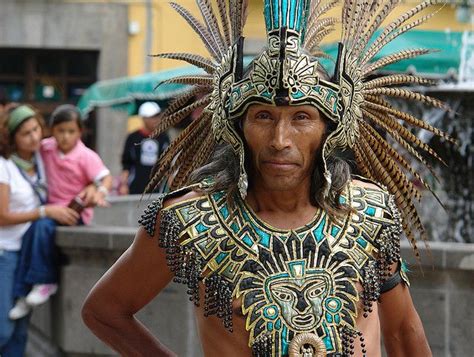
[{"x": 287, "y": 73}]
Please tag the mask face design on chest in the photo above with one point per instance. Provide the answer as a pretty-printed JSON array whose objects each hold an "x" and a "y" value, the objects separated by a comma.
[
  {"x": 298, "y": 286},
  {"x": 299, "y": 297}
]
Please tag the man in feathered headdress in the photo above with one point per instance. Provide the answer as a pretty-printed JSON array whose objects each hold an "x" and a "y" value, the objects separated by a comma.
[{"x": 271, "y": 234}]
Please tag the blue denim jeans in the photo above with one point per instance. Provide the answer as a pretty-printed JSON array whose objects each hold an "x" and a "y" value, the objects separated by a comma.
[
  {"x": 13, "y": 334},
  {"x": 38, "y": 257}
]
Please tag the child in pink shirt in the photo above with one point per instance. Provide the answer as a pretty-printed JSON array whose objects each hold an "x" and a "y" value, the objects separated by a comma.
[
  {"x": 70, "y": 165},
  {"x": 73, "y": 171}
]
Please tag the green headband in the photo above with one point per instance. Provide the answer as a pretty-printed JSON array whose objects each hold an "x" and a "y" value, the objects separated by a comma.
[{"x": 18, "y": 116}]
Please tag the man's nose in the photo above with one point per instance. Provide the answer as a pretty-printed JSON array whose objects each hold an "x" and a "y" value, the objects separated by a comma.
[{"x": 281, "y": 135}]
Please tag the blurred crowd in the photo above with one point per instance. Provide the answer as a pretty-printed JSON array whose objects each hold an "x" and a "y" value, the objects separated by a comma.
[{"x": 49, "y": 177}]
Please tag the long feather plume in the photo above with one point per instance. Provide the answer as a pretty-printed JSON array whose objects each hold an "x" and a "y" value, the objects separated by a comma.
[
  {"x": 199, "y": 28},
  {"x": 224, "y": 18},
  {"x": 190, "y": 58},
  {"x": 212, "y": 27}
]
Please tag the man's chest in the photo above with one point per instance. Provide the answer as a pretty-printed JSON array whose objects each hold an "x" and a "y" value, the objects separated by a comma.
[{"x": 288, "y": 282}]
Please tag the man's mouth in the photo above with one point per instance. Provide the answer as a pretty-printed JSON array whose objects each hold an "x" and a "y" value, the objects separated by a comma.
[{"x": 281, "y": 165}]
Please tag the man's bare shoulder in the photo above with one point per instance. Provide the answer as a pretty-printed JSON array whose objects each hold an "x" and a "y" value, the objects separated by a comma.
[
  {"x": 366, "y": 184},
  {"x": 177, "y": 198}
]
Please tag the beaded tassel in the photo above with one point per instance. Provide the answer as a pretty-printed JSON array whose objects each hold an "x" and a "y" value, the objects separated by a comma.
[
  {"x": 349, "y": 337},
  {"x": 218, "y": 299},
  {"x": 149, "y": 216},
  {"x": 372, "y": 286},
  {"x": 262, "y": 346},
  {"x": 183, "y": 262},
  {"x": 389, "y": 243}
]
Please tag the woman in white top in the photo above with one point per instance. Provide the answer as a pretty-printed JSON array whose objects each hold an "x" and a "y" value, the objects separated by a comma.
[{"x": 22, "y": 198}]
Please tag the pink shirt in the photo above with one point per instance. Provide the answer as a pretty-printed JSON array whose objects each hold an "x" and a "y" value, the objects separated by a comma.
[{"x": 69, "y": 173}]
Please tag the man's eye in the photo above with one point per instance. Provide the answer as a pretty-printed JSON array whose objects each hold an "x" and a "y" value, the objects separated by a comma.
[
  {"x": 263, "y": 115},
  {"x": 301, "y": 116}
]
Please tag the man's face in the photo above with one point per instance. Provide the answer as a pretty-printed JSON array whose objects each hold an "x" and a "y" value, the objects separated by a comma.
[
  {"x": 283, "y": 143},
  {"x": 151, "y": 123}
]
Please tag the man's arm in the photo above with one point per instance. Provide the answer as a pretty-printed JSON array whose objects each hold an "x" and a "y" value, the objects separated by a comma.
[
  {"x": 401, "y": 326},
  {"x": 132, "y": 282}
]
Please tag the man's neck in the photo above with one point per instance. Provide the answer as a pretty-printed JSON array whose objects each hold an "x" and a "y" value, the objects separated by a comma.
[{"x": 282, "y": 209}]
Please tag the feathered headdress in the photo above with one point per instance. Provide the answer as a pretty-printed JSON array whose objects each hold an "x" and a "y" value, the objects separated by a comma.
[{"x": 287, "y": 72}]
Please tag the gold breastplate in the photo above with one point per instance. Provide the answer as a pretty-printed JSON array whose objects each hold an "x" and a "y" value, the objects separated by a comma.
[{"x": 299, "y": 282}]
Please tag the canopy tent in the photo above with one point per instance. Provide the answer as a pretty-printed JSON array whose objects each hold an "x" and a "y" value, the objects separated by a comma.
[{"x": 122, "y": 93}]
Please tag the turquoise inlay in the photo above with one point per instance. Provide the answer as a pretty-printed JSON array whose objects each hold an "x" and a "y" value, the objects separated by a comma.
[
  {"x": 405, "y": 267},
  {"x": 284, "y": 13},
  {"x": 342, "y": 200},
  {"x": 327, "y": 339},
  {"x": 291, "y": 23},
  {"x": 269, "y": 326},
  {"x": 264, "y": 236},
  {"x": 328, "y": 305},
  {"x": 267, "y": 95},
  {"x": 271, "y": 312},
  {"x": 337, "y": 318},
  {"x": 247, "y": 240},
  {"x": 276, "y": 14},
  {"x": 299, "y": 14},
  {"x": 328, "y": 317},
  {"x": 293, "y": 265},
  {"x": 278, "y": 324},
  {"x": 327, "y": 342},
  {"x": 370, "y": 211},
  {"x": 218, "y": 195},
  {"x": 298, "y": 95},
  {"x": 265, "y": 240},
  {"x": 224, "y": 211},
  {"x": 362, "y": 242},
  {"x": 284, "y": 341},
  {"x": 201, "y": 228},
  {"x": 221, "y": 256},
  {"x": 267, "y": 11},
  {"x": 318, "y": 231},
  {"x": 335, "y": 230},
  {"x": 234, "y": 227}
]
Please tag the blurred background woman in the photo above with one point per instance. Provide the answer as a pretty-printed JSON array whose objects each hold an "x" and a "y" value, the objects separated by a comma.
[{"x": 23, "y": 194}]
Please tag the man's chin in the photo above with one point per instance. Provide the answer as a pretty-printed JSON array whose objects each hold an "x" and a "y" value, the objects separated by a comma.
[{"x": 281, "y": 183}]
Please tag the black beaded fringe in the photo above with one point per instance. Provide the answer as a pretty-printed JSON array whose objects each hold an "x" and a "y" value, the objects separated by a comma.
[
  {"x": 262, "y": 346},
  {"x": 377, "y": 272},
  {"x": 349, "y": 338},
  {"x": 149, "y": 216},
  {"x": 218, "y": 299},
  {"x": 186, "y": 265}
]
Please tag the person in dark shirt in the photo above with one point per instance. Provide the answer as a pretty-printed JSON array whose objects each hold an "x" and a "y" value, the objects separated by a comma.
[{"x": 141, "y": 152}]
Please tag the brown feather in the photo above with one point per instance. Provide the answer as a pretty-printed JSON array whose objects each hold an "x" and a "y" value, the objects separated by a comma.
[
  {"x": 397, "y": 79},
  {"x": 190, "y": 58},
  {"x": 199, "y": 28},
  {"x": 378, "y": 17},
  {"x": 177, "y": 116},
  {"x": 394, "y": 58},
  {"x": 193, "y": 80},
  {"x": 393, "y": 30},
  {"x": 406, "y": 94},
  {"x": 409, "y": 119},
  {"x": 224, "y": 17},
  {"x": 210, "y": 19}
]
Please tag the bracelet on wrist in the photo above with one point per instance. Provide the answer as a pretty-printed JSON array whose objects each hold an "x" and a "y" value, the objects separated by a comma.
[
  {"x": 42, "y": 211},
  {"x": 103, "y": 189}
]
